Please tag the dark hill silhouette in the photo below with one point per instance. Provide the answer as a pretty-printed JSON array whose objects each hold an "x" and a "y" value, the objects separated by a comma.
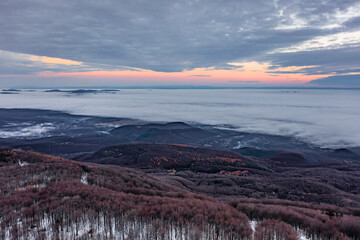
[
  {"x": 346, "y": 153},
  {"x": 289, "y": 159},
  {"x": 170, "y": 156},
  {"x": 173, "y": 132}
]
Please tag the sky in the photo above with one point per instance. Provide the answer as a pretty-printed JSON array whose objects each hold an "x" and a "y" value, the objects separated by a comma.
[{"x": 118, "y": 43}]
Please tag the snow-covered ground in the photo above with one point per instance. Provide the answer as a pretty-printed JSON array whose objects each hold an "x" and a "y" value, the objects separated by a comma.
[{"x": 84, "y": 179}]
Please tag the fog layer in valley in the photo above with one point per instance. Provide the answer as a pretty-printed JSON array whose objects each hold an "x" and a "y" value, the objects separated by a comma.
[{"x": 326, "y": 118}]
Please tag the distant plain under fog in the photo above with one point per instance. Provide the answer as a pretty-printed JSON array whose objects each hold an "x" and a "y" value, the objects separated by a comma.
[{"x": 326, "y": 118}]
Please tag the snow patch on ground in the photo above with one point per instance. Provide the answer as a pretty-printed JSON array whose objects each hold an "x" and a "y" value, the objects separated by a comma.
[
  {"x": 84, "y": 179},
  {"x": 253, "y": 224},
  {"x": 22, "y": 163},
  {"x": 302, "y": 235}
]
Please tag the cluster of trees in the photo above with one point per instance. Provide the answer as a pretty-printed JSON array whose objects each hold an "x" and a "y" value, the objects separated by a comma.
[
  {"x": 170, "y": 157},
  {"x": 316, "y": 221},
  {"x": 323, "y": 207},
  {"x": 271, "y": 229},
  {"x": 114, "y": 203},
  {"x": 46, "y": 197},
  {"x": 312, "y": 185},
  {"x": 71, "y": 207}
]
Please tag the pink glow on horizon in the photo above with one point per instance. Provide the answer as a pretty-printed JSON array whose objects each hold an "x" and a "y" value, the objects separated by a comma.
[{"x": 247, "y": 72}]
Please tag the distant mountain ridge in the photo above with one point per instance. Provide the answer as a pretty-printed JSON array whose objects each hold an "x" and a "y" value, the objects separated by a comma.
[{"x": 172, "y": 132}]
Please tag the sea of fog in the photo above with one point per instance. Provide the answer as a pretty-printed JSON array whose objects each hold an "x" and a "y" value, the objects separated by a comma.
[{"x": 326, "y": 118}]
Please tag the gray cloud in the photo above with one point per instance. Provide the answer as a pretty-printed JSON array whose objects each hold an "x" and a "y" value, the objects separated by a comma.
[
  {"x": 172, "y": 35},
  {"x": 334, "y": 61},
  {"x": 342, "y": 80}
]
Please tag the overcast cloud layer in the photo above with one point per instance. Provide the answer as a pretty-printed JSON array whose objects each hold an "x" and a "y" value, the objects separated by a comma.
[{"x": 172, "y": 36}]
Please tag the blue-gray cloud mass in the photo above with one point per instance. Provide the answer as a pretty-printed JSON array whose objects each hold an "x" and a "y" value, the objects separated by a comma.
[
  {"x": 170, "y": 36},
  {"x": 352, "y": 80}
]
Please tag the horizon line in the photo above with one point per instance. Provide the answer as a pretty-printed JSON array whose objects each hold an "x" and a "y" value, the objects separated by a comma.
[{"x": 177, "y": 87}]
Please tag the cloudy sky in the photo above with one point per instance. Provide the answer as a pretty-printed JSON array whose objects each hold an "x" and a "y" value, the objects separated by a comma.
[{"x": 172, "y": 43}]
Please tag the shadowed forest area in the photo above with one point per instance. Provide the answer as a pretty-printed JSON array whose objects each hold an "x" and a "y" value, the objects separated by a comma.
[{"x": 47, "y": 197}]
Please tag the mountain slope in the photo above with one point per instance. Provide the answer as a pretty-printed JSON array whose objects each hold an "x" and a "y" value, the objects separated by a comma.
[
  {"x": 46, "y": 197},
  {"x": 224, "y": 174}
]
